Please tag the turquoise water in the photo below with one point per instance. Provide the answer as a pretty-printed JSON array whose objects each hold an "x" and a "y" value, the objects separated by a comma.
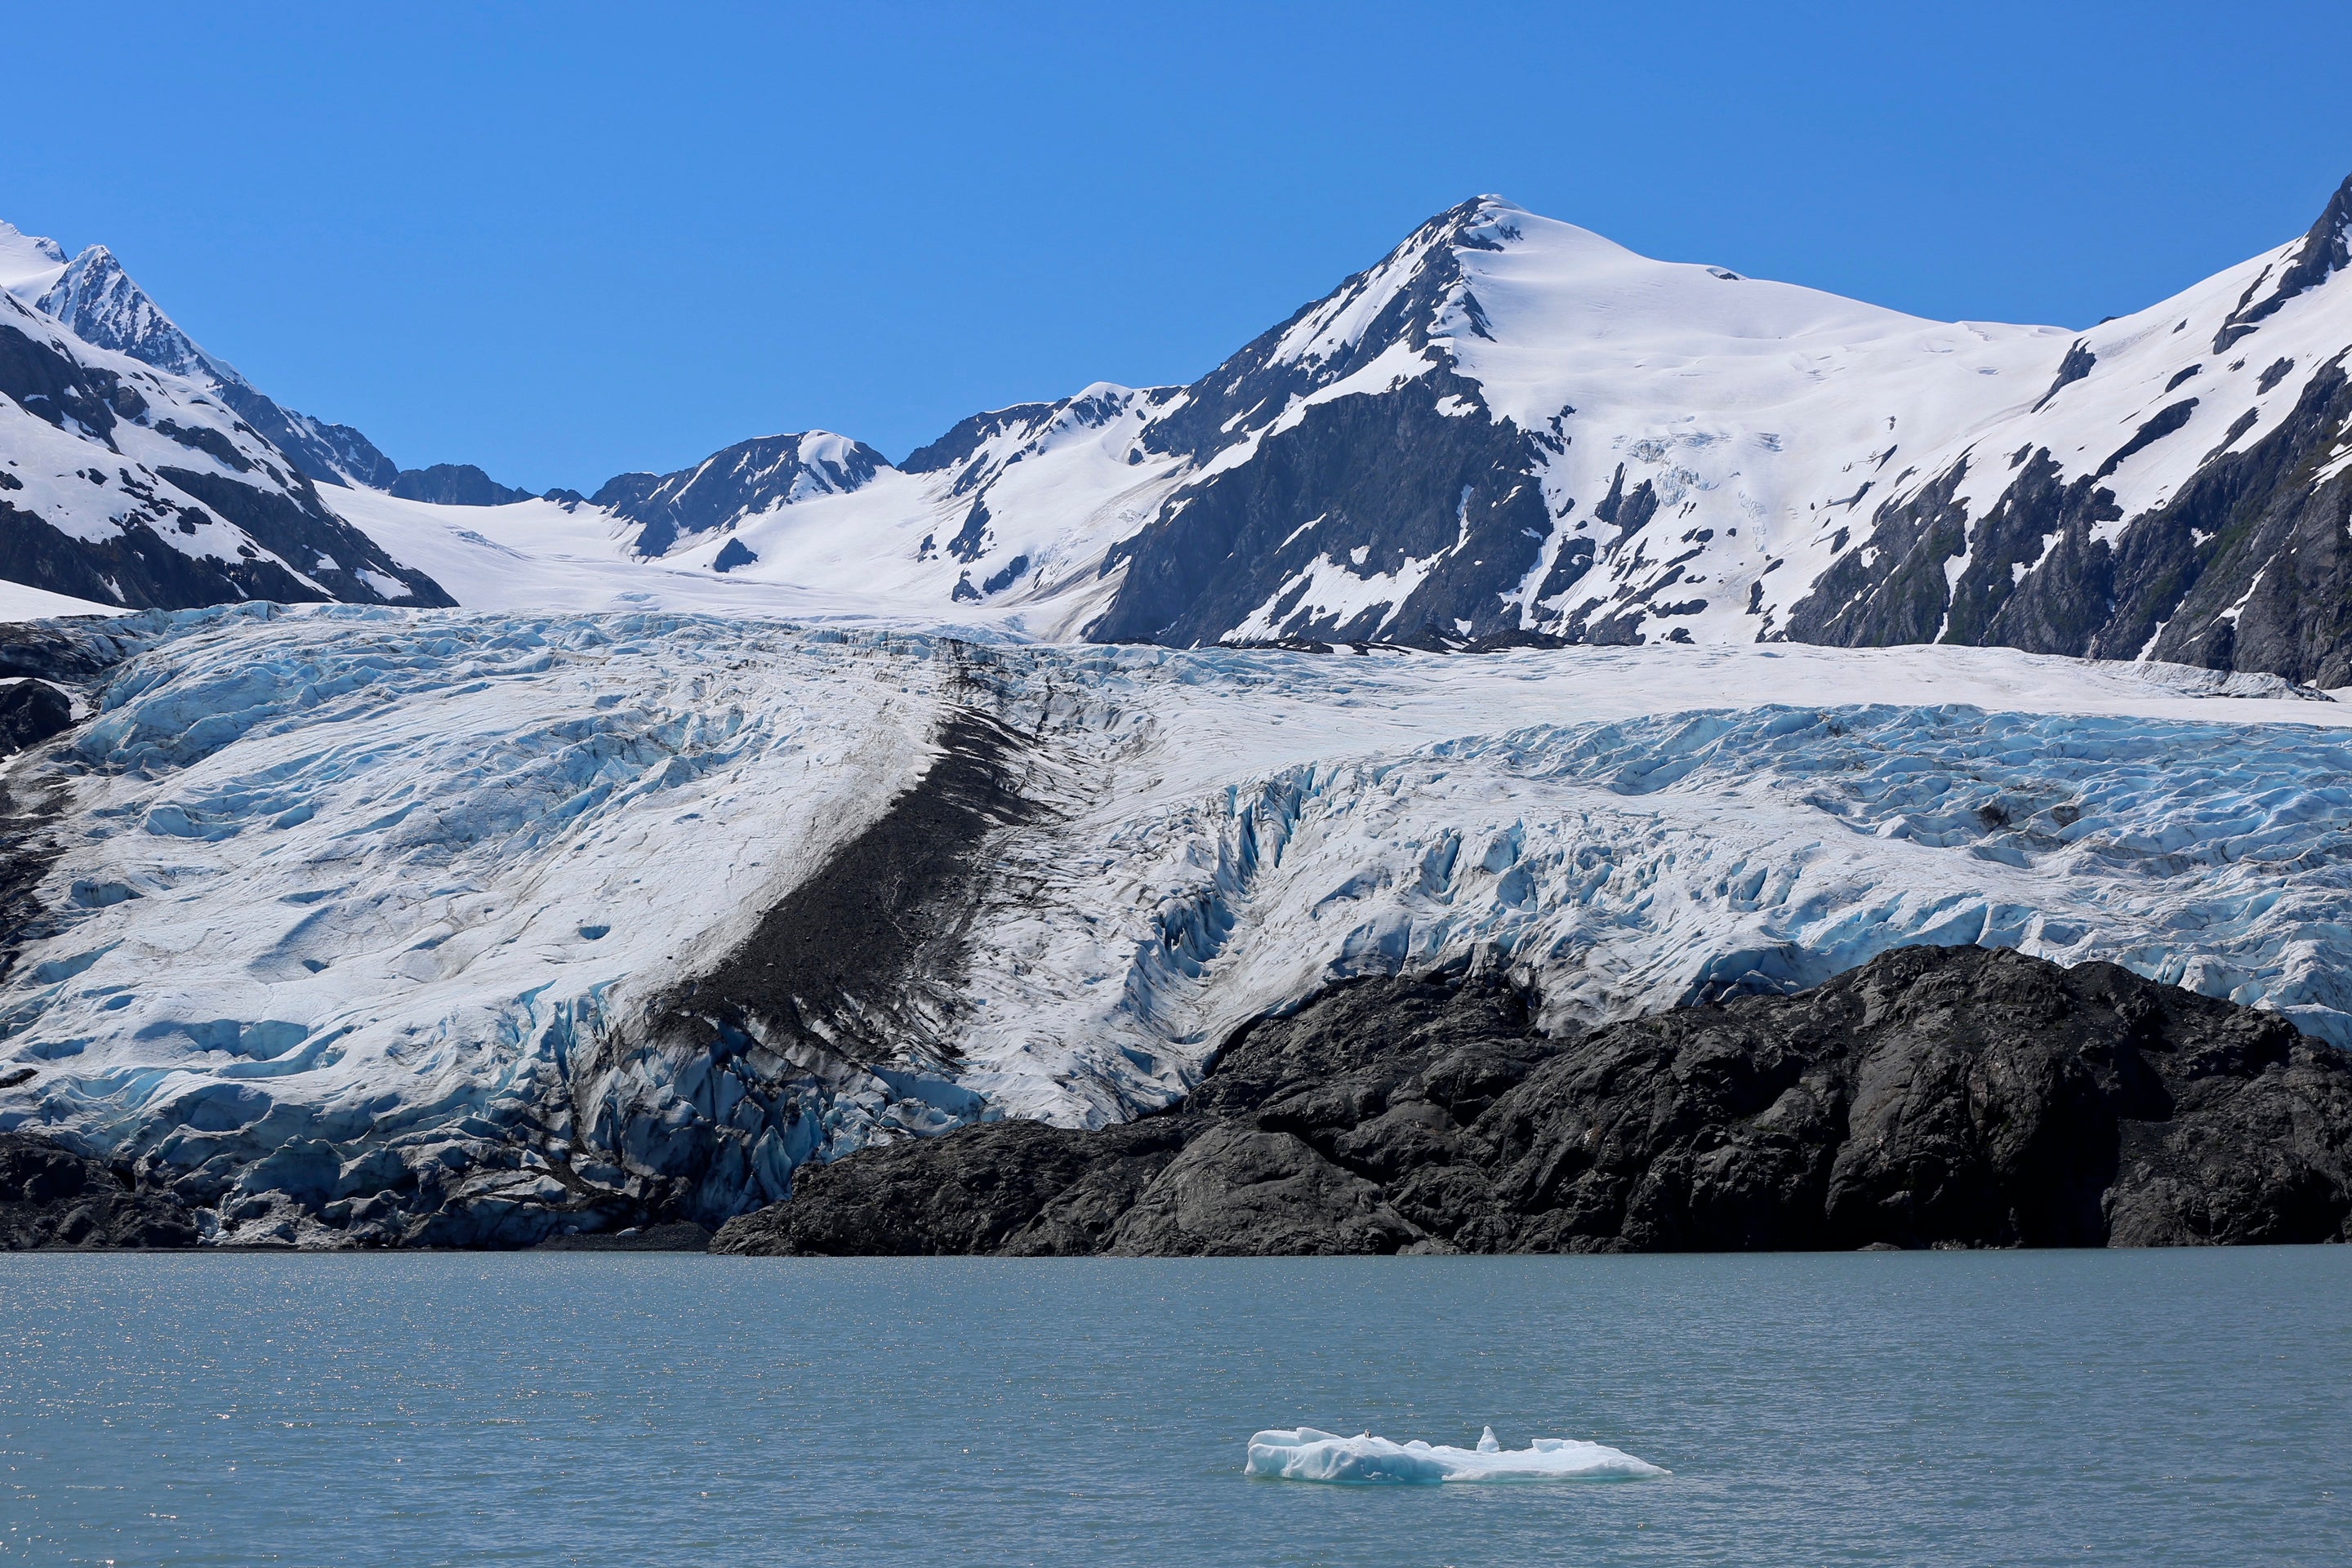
[{"x": 1924, "y": 1409}]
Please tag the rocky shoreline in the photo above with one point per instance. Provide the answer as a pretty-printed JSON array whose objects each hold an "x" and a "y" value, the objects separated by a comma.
[
  {"x": 53, "y": 1197},
  {"x": 1933, "y": 1098}
]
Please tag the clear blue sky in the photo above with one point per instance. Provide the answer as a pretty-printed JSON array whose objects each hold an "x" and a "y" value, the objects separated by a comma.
[{"x": 564, "y": 241}]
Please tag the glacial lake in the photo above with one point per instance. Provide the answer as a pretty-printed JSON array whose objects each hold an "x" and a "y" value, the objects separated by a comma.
[{"x": 2185, "y": 1407}]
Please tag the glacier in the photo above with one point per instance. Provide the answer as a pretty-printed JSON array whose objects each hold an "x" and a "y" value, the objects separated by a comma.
[
  {"x": 1304, "y": 1454},
  {"x": 368, "y": 926}
]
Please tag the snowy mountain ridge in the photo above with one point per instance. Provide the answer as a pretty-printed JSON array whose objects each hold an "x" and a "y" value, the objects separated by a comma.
[
  {"x": 1511, "y": 428},
  {"x": 124, "y": 484},
  {"x": 94, "y": 299}
]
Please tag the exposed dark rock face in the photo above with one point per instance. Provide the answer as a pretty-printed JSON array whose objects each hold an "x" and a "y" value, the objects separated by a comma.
[
  {"x": 2326, "y": 248},
  {"x": 30, "y": 712},
  {"x": 49, "y": 377},
  {"x": 327, "y": 454},
  {"x": 983, "y": 447},
  {"x": 297, "y": 526},
  {"x": 1936, "y": 1097},
  {"x": 52, "y": 1197},
  {"x": 1012, "y": 1188},
  {"x": 454, "y": 484},
  {"x": 2077, "y": 364},
  {"x": 2247, "y": 567},
  {"x": 1388, "y": 480},
  {"x": 962, "y": 442}
]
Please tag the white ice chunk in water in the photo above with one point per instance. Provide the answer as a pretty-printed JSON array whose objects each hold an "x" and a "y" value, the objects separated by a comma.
[{"x": 1304, "y": 1454}]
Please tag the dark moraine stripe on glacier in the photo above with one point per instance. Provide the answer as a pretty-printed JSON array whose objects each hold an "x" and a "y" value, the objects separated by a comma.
[
  {"x": 36, "y": 658},
  {"x": 863, "y": 956},
  {"x": 859, "y": 971},
  {"x": 28, "y": 846}
]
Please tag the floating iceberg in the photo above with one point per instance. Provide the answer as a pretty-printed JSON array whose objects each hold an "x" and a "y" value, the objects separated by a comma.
[{"x": 1304, "y": 1454}]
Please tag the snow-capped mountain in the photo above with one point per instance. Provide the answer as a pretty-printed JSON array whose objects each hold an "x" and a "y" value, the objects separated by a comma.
[
  {"x": 100, "y": 303},
  {"x": 1511, "y": 428},
  {"x": 121, "y": 484}
]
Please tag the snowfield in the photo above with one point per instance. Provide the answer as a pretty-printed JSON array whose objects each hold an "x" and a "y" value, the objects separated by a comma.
[{"x": 392, "y": 925}]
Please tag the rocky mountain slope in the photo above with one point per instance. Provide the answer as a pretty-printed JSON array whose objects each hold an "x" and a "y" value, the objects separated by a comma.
[
  {"x": 1935, "y": 1097},
  {"x": 93, "y": 297},
  {"x": 127, "y": 485}
]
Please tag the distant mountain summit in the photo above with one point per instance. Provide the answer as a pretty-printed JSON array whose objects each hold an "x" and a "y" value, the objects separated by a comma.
[{"x": 748, "y": 477}]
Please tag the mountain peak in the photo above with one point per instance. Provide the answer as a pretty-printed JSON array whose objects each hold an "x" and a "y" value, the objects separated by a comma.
[
  {"x": 2328, "y": 245},
  {"x": 99, "y": 302},
  {"x": 28, "y": 263},
  {"x": 2324, "y": 251}
]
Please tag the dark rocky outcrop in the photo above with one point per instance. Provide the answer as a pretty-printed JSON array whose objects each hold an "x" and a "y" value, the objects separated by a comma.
[
  {"x": 454, "y": 484},
  {"x": 1935, "y": 1097},
  {"x": 30, "y": 712},
  {"x": 2326, "y": 248},
  {"x": 327, "y": 454},
  {"x": 52, "y": 1197}
]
